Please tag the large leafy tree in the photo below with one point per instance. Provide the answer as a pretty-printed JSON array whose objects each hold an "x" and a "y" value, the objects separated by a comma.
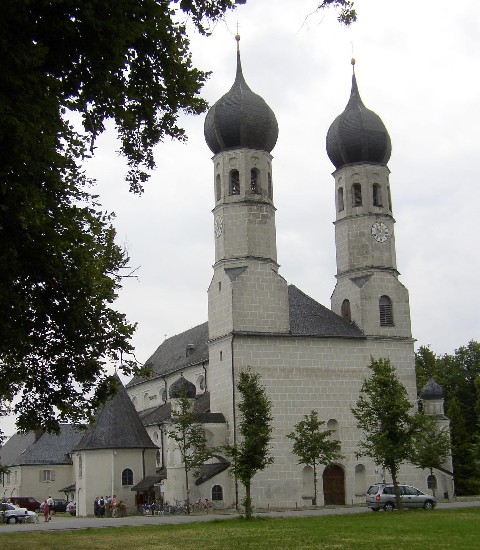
[
  {"x": 60, "y": 268},
  {"x": 252, "y": 453},
  {"x": 189, "y": 435},
  {"x": 313, "y": 445},
  {"x": 384, "y": 414}
]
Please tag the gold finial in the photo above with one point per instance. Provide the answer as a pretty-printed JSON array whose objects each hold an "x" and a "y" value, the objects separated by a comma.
[
  {"x": 237, "y": 38},
  {"x": 353, "y": 63}
]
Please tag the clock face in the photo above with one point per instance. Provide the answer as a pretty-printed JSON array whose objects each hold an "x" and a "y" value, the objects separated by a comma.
[
  {"x": 380, "y": 232},
  {"x": 218, "y": 226}
]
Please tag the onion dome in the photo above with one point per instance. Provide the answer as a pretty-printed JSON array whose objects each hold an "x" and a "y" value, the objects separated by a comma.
[
  {"x": 358, "y": 135},
  {"x": 432, "y": 391},
  {"x": 240, "y": 119},
  {"x": 182, "y": 388}
]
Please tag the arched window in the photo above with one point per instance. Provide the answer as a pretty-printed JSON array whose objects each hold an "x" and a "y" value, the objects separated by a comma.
[
  {"x": 360, "y": 480},
  {"x": 127, "y": 477},
  {"x": 432, "y": 482},
  {"x": 234, "y": 182},
  {"x": 158, "y": 458},
  {"x": 80, "y": 466},
  {"x": 376, "y": 195},
  {"x": 356, "y": 194},
  {"x": 254, "y": 181},
  {"x": 270, "y": 186},
  {"x": 217, "y": 492},
  {"x": 200, "y": 383},
  {"x": 346, "y": 312},
  {"x": 134, "y": 401},
  {"x": 340, "y": 202},
  {"x": 218, "y": 188},
  {"x": 146, "y": 399},
  {"x": 308, "y": 486},
  {"x": 386, "y": 311}
]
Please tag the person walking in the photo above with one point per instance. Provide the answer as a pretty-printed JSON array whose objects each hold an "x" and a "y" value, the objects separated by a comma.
[
  {"x": 46, "y": 510},
  {"x": 51, "y": 510}
]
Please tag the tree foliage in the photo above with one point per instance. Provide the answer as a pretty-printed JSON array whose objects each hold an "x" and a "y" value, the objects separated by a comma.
[
  {"x": 252, "y": 453},
  {"x": 344, "y": 8},
  {"x": 189, "y": 435},
  {"x": 459, "y": 376},
  {"x": 122, "y": 60},
  {"x": 390, "y": 426},
  {"x": 314, "y": 446}
]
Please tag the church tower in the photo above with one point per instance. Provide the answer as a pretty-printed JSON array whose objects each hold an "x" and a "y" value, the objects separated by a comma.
[
  {"x": 246, "y": 293},
  {"x": 368, "y": 291}
]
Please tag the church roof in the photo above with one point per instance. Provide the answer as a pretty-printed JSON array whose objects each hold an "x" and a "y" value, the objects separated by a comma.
[
  {"x": 49, "y": 448},
  {"x": 309, "y": 318},
  {"x": 358, "y": 135},
  {"x": 432, "y": 390},
  {"x": 240, "y": 119},
  {"x": 182, "y": 388},
  {"x": 116, "y": 426},
  {"x": 177, "y": 352}
]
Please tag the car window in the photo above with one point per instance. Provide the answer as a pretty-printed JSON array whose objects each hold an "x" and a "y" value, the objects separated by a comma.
[
  {"x": 388, "y": 491},
  {"x": 372, "y": 490},
  {"x": 408, "y": 490}
]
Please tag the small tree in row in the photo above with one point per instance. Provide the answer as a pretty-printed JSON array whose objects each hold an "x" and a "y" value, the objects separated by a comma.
[
  {"x": 314, "y": 446},
  {"x": 190, "y": 437},
  {"x": 252, "y": 454},
  {"x": 393, "y": 433}
]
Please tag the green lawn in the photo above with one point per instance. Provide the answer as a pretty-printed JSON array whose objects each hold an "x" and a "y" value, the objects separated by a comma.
[{"x": 456, "y": 529}]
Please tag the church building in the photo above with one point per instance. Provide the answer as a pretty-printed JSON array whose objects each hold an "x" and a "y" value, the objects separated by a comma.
[{"x": 309, "y": 357}]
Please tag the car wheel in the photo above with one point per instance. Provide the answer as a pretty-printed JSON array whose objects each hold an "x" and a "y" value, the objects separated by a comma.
[
  {"x": 388, "y": 507},
  {"x": 375, "y": 509},
  {"x": 428, "y": 505}
]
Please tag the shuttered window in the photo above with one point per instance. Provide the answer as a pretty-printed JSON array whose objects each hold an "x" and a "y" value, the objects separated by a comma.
[{"x": 386, "y": 312}]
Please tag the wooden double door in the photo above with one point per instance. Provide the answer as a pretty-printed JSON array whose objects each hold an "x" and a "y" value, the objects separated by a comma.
[{"x": 333, "y": 485}]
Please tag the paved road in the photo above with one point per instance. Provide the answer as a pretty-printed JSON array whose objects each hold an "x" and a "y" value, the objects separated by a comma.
[{"x": 67, "y": 523}]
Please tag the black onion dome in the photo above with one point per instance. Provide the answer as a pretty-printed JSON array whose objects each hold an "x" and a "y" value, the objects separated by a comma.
[
  {"x": 240, "y": 119},
  {"x": 432, "y": 390},
  {"x": 182, "y": 388},
  {"x": 358, "y": 134}
]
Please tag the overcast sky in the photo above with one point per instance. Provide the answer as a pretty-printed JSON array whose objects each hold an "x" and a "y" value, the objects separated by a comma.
[{"x": 417, "y": 68}]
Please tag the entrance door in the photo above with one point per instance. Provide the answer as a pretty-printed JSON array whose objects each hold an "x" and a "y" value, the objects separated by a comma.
[{"x": 333, "y": 485}]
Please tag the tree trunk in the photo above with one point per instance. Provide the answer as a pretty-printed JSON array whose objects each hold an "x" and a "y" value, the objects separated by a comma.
[
  {"x": 314, "y": 484},
  {"x": 396, "y": 488},
  {"x": 187, "y": 487},
  {"x": 248, "y": 502}
]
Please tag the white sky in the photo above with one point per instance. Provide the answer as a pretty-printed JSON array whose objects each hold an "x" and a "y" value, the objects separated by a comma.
[{"x": 417, "y": 68}]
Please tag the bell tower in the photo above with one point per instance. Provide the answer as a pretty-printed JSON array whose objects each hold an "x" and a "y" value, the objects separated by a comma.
[
  {"x": 368, "y": 291},
  {"x": 246, "y": 293}
]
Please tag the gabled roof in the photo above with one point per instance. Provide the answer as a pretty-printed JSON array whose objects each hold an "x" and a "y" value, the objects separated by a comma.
[
  {"x": 172, "y": 354},
  {"x": 116, "y": 426},
  {"x": 309, "y": 318},
  {"x": 52, "y": 448},
  {"x": 11, "y": 451},
  {"x": 201, "y": 406}
]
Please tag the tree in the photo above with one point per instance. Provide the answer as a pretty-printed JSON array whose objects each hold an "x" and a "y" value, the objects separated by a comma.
[
  {"x": 345, "y": 9},
  {"x": 252, "y": 454},
  {"x": 313, "y": 446},
  {"x": 60, "y": 268},
  {"x": 384, "y": 414},
  {"x": 430, "y": 446},
  {"x": 190, "y": 437},
  {"x": 459, "y": 376}
]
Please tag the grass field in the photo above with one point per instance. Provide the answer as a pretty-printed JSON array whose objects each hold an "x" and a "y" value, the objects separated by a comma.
[{"x": 442, "y": 529}]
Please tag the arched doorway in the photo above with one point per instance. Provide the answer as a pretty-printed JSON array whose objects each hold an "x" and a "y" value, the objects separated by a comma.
[{"x": 333, "y": 485}]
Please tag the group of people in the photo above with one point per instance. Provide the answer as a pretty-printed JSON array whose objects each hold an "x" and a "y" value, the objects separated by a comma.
[
  {"x": 100, "y": 503},
  {"x": 47, "y": 505}
]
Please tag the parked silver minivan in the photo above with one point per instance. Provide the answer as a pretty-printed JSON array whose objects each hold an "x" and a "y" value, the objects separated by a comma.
[{"x": 383, "y": 496}]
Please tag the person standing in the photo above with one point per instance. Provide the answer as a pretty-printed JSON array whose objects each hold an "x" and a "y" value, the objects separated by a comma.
[
  {"x": 95, "y": 507},
  {"x": 46, "y": 510},
  {"x": 51, "y": 504}
]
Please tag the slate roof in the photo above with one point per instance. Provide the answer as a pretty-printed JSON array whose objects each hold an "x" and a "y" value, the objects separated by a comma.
[
  {"x": 358, "y": 134},
  {"x": 432, "y": 391},
  {"x": 171, "y": 355},
  {"x": 201, "y": 407},
  {"x": 240, "y": 119},
  {"x": 309, "y": 318},
  {"x": 116, "y": 426},
  {"x": 11, "y": 451},
  {"x": 48, "y": 449}
]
